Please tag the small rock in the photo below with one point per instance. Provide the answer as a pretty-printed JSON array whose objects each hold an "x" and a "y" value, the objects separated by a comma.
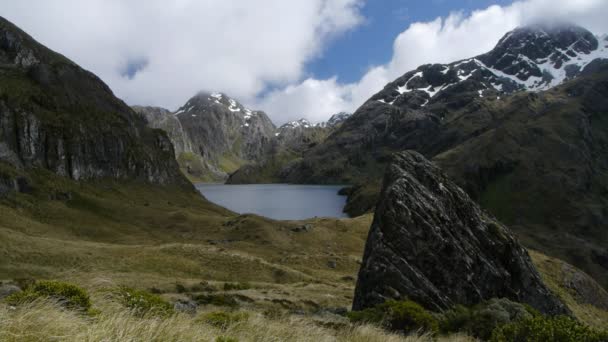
[
  {"x": 332, "y": 264},
  {"x": 8, "y": 289},
  {"x": 305, "y": 228},
  {"x": 187, "y": 306}
]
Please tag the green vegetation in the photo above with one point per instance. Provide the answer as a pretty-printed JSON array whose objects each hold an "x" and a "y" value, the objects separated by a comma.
[
  {"x": 221, "y": 319},
  {"x": 68, "y": 295},
  {"x": 480, "y": 320},
  {"x": 543, "y": 329},
  {"x": 402, "y": 316},
  {"x": 217, "y": 300},
  {"x": 144, "y": 303},
  {"x": 236, "y": 286}
]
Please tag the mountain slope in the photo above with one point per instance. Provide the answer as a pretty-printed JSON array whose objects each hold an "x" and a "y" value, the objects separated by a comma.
[
  {"x": 290, "y": 142},
  {"x": 57, "y": 116},
  {"x": 537, "y": 160}
]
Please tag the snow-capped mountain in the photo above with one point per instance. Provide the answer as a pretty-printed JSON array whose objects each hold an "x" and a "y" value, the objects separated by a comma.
[
  {"x": 205, "y": 101},
  {"x": 532, "y": 58},
  {"x": 302, "y": 123},
  {"x": 224, "y": 135},
  {"x": 337, "y": 119}
]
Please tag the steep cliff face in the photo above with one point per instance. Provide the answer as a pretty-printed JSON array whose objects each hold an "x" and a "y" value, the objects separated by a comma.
[
  {"x": 163, "y": 119},
  {"x": 225, "y": 134},
  {"x": 429, "y": 242},
  {"x": 57, "y": 116},
  {"x": 289, "y": 144}
]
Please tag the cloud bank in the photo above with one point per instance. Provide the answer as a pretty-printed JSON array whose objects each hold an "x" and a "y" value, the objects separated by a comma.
[
  {"x": 157, "y": 52},
  {"x": 442, "y": 40}
]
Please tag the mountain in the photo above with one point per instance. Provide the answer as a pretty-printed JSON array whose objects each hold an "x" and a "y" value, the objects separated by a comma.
[
  {"x": 56, "y": 116},
  {"x": 529, "y": 150},
  {"x": 289, "y": 144},
  {"x": 432, "y": 244}
]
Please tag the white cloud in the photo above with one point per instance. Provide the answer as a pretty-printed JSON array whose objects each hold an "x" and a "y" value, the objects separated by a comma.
[
  {"x": 242, "y": 47},
  {"x": 442, "y": 40},
  {"x": 238, "y": 47}
]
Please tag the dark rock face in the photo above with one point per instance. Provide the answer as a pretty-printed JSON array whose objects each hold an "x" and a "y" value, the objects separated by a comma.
[
  {"x": 216, "y": 123},
  {"x": 57, "y": 116},
  {"x": 163, "y": 119},
  {"x": 431, "y": 243},
  {"x": 224, "y": 133}
]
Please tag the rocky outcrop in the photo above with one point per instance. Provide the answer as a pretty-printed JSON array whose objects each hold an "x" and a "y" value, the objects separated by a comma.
[
  {"x": 224, "y": 133},
  {"x": 431, "y": 243},
  {"x": 57, "y": 116},
  {"x": 163, "y": 119},
  {"x": 290, "y": 142}
]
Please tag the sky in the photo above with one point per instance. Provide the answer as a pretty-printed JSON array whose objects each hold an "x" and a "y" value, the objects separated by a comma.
[{"x": 292, "y": 59}]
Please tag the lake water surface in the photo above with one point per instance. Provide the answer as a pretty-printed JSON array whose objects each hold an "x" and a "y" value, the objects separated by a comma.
[{"x": 277, "y": 201}]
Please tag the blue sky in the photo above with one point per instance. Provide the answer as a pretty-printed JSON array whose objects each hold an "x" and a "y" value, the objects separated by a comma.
[{"x": 351, "y": 55}]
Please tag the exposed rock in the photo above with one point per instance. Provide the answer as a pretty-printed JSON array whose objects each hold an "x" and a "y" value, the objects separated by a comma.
[
  {"x": 8, "y": 289},
  {"x": 332, "y": 264},
  {"x": 302, "y": 228},
  {"x": 431, "y": 243},
  {"x": 224, "y": 133},
  {"x": 57, "y": 116},
  {"x": 186, "y": 306},
  {"x": 163, "y": 119}
]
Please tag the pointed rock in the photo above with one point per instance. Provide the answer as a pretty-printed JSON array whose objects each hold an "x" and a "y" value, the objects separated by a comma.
[{"x": 431, "y": 243}]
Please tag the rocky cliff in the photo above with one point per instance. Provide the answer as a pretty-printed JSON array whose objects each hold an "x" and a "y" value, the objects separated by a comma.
[
  {"x": 163, "y": 119},
  {"x": 57, "y": 116},
  {"x": 290, "y": 142},
  {"x": 429, "y": 242}
]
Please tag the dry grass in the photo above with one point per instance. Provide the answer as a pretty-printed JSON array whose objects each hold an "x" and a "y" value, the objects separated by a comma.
[{"x": 45, "y": 321}]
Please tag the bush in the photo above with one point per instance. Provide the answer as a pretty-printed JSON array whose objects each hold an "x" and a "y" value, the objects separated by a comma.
[
  {"x": 545, "y": 329},
  {"x": 403, "y": 316},
  {"x": 68, "y": 295},
  {"x": 480, "y": 320},
  {"x": 144, "y": 303},
  {"x": 217, "y": 300},
  {"x": 221, "y": 319},
  {"x": 236, "y": 286},
  {"x": 180, "y": 288}
]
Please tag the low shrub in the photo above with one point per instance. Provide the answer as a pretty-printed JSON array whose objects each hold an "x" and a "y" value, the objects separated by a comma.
[
  {"x": 180, "y": 288},
  {"x": 480, "y": 320},
  {"x": 68, "y": 295},
  {"x": 217, "y": 300},
  {"x": 143, "y": 302},
  {"x": 236, "y": 286},
  {"x": 221, "y": 319},
  {"x": 402, "y": 316},
  {"x": 547, "y": 329}
]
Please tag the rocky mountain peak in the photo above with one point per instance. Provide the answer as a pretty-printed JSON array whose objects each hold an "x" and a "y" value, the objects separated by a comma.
[
  {"x": 337, "y": 119},
  {"x": 302, "y": 123},
  {"x": 204, "y": 101},
  {"x": 531, "y": 58}
]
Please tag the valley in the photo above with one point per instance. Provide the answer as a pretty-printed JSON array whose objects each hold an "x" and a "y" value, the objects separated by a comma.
[{"x": 476, "y": 193}]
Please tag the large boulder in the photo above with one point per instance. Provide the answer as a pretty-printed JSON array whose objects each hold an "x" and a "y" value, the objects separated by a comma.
[{"x": 429, "y": 242}]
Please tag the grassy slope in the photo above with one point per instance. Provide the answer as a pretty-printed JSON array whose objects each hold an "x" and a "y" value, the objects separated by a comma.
[
  {"x": 112, "y": 233},
  {"x": 154, "y": 237}
]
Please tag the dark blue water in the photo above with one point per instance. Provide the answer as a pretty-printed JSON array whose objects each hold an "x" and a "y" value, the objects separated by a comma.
[{"x": 277, "y": 201}]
